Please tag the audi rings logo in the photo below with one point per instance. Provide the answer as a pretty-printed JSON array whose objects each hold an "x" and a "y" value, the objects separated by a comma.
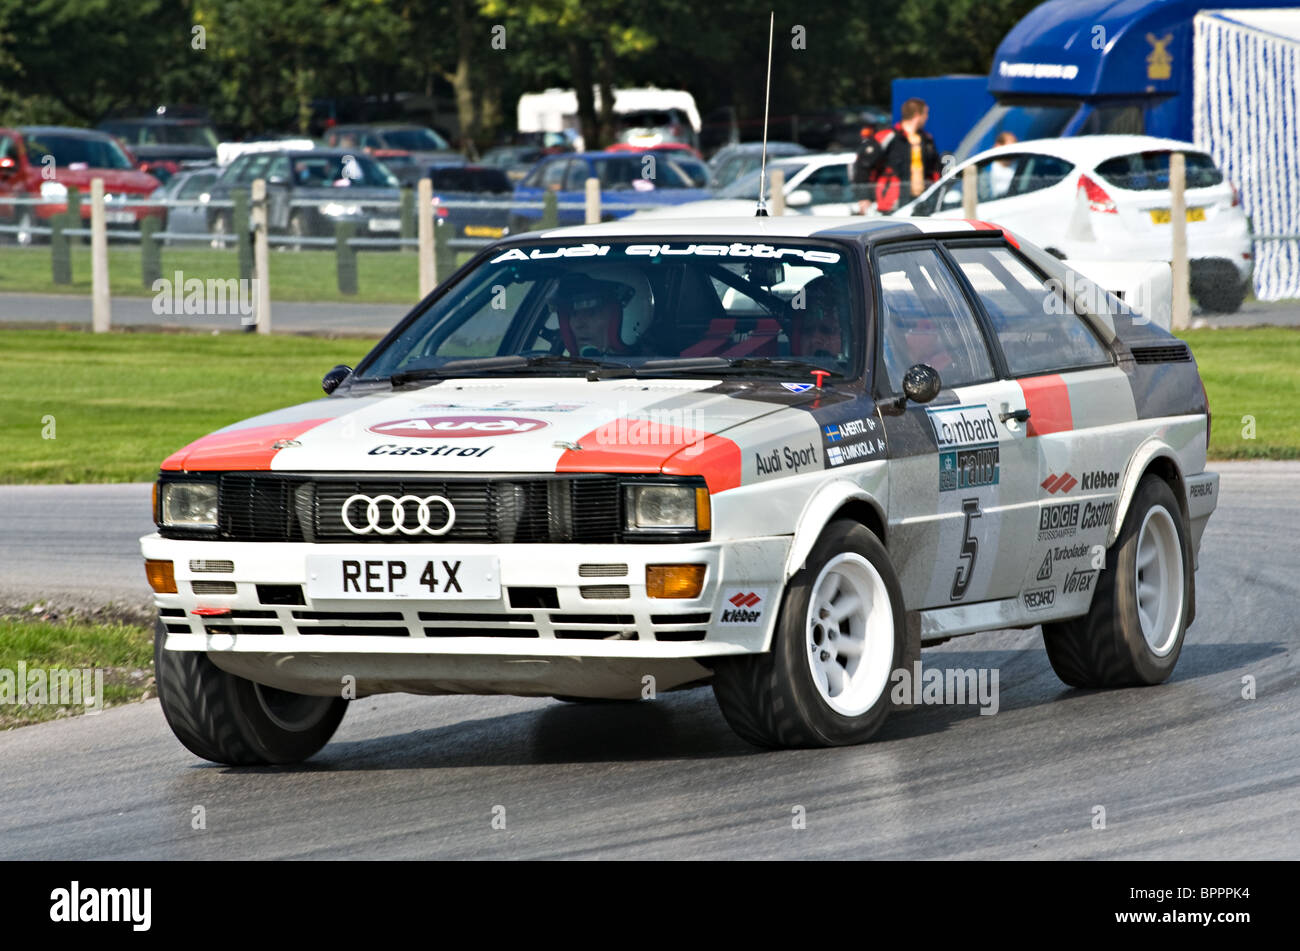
[{"x": 386, "y": 514}]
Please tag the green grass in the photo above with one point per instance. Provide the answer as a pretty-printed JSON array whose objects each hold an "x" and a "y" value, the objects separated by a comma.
[
  {"x": 1251, "y": 374},
  {"x": 123, "y": 402},
  {"x": 124, "y": 652},
  {"x": 382, "y": 276}
]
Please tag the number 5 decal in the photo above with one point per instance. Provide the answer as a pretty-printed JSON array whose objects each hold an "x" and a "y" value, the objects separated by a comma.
[{"x": 970, "y": 548}]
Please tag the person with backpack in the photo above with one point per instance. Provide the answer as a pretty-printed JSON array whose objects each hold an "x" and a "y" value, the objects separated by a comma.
[{"x": 901, "y": 162}]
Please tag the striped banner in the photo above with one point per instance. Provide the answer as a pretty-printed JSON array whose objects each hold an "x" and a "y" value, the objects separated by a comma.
[{"x": 1247, "y": 115}]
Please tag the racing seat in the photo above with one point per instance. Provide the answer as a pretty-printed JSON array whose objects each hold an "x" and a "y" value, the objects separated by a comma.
[{"x": 725, "y": 339}]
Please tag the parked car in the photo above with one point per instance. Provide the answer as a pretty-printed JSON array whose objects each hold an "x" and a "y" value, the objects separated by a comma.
[
  {"x": 515, "y": 160},
  {"x": 188, "y": 185},
  {"x": 45, "y": 161},
  {"x": 624, "y": 180},
  {"x": 651, "y": 127},
  {"x": 814, "y": 185},
  {"x": 732, "y": 161},
  {"x": 341, "y": 186},
  {"x": 395, "y": 144},
  {"x": 163, "y": 145},
  {"x": 1106, "y": 197},
  {"x": 471, "y": 200},
  {"x": 759, "y": 475}
]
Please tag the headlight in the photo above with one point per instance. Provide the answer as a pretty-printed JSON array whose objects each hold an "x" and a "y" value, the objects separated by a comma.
[
  {"x": 337, "y": 209},
  {"x": 189, "y": 505},
  {"x": 662, "y": 507},
  {"x": 54, "y": 190}
]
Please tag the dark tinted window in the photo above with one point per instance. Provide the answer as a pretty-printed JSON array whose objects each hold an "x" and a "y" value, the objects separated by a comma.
[
  {"x": 553, "y": 174},
  {"x": 1038, "y": 332},
  {"x": 470, "y": 180},
  {"x": 1149, "y": 171},
  {"x": 639, "y": 172},
  {"x": 925, "y": 319},
  {"x": 196, "y": 184},
  {"x": 1040, "y": 171}
]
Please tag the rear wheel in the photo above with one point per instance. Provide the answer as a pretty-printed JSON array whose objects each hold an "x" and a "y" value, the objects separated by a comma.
[
  {"x": 1217, "y": 286},
  {"x": 838, "y": 638},
  {"x": 228, "y": 719},
  {"x": 1133, "y": 633}
]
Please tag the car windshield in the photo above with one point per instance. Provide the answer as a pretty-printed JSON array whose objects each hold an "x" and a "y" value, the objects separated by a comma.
[
  {"x": 642, "y": 172},
  {"x": 75, "y": 152},
  {"x": 648, "y": 306},
  {"x": 414, "y": 140},
  {"x": 746, "y": 186},
  {"x": 340, "y": 171},
  {"x": 467, "y": 179},
  {"x": 153, "y": 133}
]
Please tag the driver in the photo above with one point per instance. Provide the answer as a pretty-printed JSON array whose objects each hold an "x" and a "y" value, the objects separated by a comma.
[
  {"x": 593, "y": 318},
  {"x": 819, "y": 328}
]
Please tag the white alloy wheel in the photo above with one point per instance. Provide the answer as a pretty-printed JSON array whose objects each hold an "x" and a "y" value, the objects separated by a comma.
[
  {"x": 1159, "y": 580},
  {"x": 850, "y": 634}
]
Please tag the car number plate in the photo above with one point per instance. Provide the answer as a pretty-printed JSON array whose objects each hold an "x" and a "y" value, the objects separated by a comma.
[
  {"x": 1161, "y": 216},
  {"x": 483, "y": 231},
  {"x": 426, "y": 576},
  {"x": 119, "y": 217},
  {"x": 384, "y": 224}
]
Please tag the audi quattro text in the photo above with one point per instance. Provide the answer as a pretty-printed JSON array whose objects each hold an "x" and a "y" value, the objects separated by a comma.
[{"x": 774, "y": 455}]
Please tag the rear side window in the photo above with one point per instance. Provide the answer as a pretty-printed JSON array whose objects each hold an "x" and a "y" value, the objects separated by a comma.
[
  {"x": 925, "y": 319},
  {"x": 1037, "y": 330},
  {"x": 1040, "y": 171},
  {"x": 1149, "y": 171}
]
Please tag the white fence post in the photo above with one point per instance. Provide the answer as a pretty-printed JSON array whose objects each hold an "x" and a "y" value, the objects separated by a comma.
[
  {"x": 777, "y": 190},
  {"x": 424, "y": 234},
  {"x": 261, "y": 258},
  {"x": 100, "y": 299},
  {"x": 1182, "y": 303},
  {"x": 592, "y": 206},
  {"x": 969, "y": 197}
]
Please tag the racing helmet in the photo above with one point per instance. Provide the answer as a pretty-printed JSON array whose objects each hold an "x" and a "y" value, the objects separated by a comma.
[
  {"x": 583, "y": 293},
  {"x": 823, "y": 303}
]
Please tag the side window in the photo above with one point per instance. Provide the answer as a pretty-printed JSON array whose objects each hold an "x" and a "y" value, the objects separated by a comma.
[
  {"x": 828, "y": 183},
  {"x": 195, "y": 186},
  {"x": 1040, "y": 171},
  {"x": 553, "y": 174},
  {"x": 279, "y": 169},
  {"x": 1038, "y": 331},
  {"x": 926, "y": 319},
  {"x": 256, "y": 168},
  {"x": 8, "y": 149},
  {"x": 575, "y": 179}
]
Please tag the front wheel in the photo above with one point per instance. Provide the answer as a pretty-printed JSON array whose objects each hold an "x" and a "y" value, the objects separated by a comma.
[
  {"x": 227, "y": 719},
  {"x": 839, "y": 636},
  {"x": 1133, "y": 632}
]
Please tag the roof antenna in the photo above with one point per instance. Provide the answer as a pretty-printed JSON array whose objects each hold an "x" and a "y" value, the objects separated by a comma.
[{"x": 767, "y": 102}]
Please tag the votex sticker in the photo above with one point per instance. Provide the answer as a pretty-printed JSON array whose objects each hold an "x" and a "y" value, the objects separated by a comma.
[{"x": 457, "y": 427}]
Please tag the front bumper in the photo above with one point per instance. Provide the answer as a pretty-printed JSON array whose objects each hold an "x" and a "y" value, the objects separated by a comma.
[{"x": 568, "y": 619}]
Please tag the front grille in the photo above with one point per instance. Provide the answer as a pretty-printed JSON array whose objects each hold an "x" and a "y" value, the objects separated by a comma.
[
  {"x": 293, "y": 508},
  {"x": 213, "y": 587}
]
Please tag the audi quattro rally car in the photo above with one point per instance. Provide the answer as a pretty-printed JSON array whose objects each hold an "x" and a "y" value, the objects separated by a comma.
[{"x": 777, "y": 454}]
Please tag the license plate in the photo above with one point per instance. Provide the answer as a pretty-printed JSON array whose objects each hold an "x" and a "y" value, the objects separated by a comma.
[
  {"x": 483, "y": 231},
  {"x": 384, "y": 224},
  {"x": 1161, "y": 216},
  {"x": 119, "y": 217},
  {"x": 427, "y": 576}
]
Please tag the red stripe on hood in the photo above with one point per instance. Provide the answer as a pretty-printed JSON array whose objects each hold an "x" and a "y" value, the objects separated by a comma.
[
  {"x": 250, "y": 448},
  {"x": 638, "y": 445}
]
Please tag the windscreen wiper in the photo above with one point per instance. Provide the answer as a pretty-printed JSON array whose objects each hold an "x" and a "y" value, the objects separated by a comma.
[
  {"x": 511, "y": 362},
  {"x": 728, "y": 365}
]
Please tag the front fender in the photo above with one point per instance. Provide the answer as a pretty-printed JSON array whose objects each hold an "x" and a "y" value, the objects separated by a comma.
[{"x": 825, "y": 502}]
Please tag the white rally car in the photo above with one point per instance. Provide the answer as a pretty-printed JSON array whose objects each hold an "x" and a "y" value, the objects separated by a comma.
[{"x": 773, "y": 454}]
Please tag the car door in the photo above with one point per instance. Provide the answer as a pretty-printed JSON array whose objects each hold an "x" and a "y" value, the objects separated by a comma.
[
  {"x": 1082, "y": 427},
  {"x": 961, "y": 473}
]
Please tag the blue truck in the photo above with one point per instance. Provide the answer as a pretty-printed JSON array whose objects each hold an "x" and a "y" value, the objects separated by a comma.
[{"x": 1087, "y": 67}]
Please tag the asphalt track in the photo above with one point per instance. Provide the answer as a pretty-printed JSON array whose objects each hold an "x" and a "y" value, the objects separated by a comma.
[{"x": 1189, "y": 769}]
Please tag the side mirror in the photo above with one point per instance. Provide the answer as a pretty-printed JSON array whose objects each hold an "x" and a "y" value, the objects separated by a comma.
[
  {"x": 921, "y": 383},
  {"x": 799, "y": 198},
  {"x": 330, "y": 382}
]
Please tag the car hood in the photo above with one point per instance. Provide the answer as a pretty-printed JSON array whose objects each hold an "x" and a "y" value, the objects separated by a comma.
[
  {"x": 532, "y": 425},
  {"x": 116, "y": 180}
]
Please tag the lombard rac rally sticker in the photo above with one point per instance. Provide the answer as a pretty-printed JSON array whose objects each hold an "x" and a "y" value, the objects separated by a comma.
[
  {"x": 457, "y": 427},
  {"x": 743, "y": 607}
]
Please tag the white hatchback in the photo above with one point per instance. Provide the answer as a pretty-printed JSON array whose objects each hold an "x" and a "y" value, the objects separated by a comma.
[{"x": 1106, "y": 197}]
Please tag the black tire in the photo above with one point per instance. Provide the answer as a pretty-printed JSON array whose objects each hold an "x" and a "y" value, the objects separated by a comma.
[
  {"x": 1222, "y": 298},
  {"x": 230, "y": 720},
  {"x": 1106, "y": 647},
  {"x": 771, "y": 699}
]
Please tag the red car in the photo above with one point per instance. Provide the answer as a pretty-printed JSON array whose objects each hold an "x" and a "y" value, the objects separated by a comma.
[{"x": 45, "y": 161}]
